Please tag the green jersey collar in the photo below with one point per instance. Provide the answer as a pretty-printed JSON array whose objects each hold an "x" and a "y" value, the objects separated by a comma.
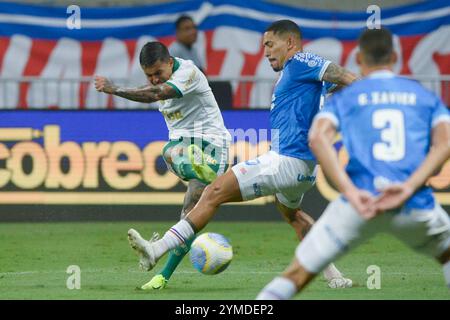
[{"x": 176, "y": 64}]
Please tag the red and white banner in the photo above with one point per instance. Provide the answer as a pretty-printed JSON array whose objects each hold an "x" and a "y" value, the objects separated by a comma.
[{"x": 36, "y": 41}]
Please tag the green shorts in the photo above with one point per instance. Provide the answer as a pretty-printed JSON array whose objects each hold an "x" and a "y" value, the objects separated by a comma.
[{"x": 175, "y": 154}]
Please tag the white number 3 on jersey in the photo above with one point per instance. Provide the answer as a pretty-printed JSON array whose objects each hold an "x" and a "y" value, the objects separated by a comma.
[{"x": 392, "y": 147}]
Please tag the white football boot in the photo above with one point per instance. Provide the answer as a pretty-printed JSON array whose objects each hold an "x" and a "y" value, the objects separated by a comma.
[{"x": 144, "y": 248}]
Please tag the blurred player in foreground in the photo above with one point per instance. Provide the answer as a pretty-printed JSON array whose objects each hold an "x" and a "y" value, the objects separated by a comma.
[
  {"x": 288, "y": 170},
  {"x": 397, "y": 135},
  {"x": 196, "y": 129}
]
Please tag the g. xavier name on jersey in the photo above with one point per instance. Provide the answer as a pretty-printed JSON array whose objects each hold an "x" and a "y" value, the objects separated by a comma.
[{"x": 385, "y": 97}]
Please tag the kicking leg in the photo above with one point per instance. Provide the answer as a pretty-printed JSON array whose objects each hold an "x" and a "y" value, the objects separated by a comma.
[
  {"x": 298, "y": 219},
  {"x": 302, "y": 223},
  {"x": 224, "y": 189},
  {"x": 159, "y": 281}
]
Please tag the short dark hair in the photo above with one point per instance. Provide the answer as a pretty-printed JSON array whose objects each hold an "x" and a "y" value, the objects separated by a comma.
[
  {"x": 152, "y": 52},
  {"x": 285, "y": 26},
  {"x": 376, "y": 46},
  {"x": 181, "y": 19}
]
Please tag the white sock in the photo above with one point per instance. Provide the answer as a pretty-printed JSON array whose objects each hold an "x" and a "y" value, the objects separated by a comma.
[
  {"x": 446, "y": 269},
  {"x": 280, "y": 288},
  {"x": 331, "y": 272},
  {"x": 174, "y": 237}
]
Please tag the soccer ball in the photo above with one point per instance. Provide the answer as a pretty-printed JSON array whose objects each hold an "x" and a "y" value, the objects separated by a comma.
[{"x": 211, "y": 253}]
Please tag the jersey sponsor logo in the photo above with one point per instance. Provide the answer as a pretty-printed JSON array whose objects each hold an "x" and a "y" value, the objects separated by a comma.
[
  {"x": 310, "y": 59},
  {"x": 341, "y": 244}
]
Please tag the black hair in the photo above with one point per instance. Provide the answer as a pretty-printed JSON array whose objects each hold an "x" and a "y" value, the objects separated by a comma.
[
  {"x": 181, "y": 19},
  {"x": 285, "y": 26},
  {"x": 152, "y": 52},
  {"x": 376, "y": 46}
]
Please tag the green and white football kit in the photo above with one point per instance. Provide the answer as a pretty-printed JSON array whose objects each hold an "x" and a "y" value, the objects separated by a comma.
[{"x": 198, "y": 144}]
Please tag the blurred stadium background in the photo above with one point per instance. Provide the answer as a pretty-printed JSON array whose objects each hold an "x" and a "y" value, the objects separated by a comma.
[{"x": 68, "y": 153}]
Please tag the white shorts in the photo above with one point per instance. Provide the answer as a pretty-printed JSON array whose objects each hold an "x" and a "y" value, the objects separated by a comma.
[
  {"x": 341, "y": 228},
  {"x": 273, "y": 174}
]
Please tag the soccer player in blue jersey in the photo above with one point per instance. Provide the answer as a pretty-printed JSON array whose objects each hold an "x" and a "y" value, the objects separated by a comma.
[
  {"x": 288, "y": 170},
  {"x": 397, "y": 135}
]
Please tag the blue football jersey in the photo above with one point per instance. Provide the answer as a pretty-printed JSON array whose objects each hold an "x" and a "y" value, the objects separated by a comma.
[
  {"x": 295, "y": 102},
  {"x": 386, "y": 122}
]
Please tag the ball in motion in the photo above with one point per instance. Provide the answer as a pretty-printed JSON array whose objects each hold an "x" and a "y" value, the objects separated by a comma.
[{"x": 211, "y": 253}]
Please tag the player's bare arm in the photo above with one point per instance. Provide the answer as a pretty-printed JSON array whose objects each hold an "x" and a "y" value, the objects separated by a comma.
[
  {"x": 394, "y": 196},
  {"x": 148, "y": 93},
  {"x": 341, "y": 76},
  {"x": 321, "y": 138}
]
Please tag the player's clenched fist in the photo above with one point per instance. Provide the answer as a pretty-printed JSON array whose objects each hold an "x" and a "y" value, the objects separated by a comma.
[{"x": 103, "y": 84}]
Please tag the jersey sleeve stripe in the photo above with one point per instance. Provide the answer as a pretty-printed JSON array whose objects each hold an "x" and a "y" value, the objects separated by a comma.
[
  {"x": 439, "y": 119},
  {"x": 324, "y": 68},
  {"x": 329, "y": 116},
  {"x": 179, "y": 93}
]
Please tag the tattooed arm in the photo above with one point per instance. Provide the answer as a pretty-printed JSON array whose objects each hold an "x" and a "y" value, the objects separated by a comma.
[
  {"x": 147, "y": 93},
  {"x": 336, "y": 74}
]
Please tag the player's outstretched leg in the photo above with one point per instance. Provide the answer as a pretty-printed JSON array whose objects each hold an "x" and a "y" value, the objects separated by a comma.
[
  {"x": 302, "y": 223},
  {"x": 224, "y": 189},
  {"x": 159, "y": 281}
]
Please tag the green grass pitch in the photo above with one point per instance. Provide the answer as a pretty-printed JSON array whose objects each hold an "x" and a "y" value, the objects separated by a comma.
[{"x": 34, "y": 258}]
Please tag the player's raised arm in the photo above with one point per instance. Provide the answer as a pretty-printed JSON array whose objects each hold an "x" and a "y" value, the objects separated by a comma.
[
  {"x": 148, "y": 93},
  {"x": 395, "y": 195},
  {"x": 339, "y": 75},
  {"x": 321, "y": 138}
]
